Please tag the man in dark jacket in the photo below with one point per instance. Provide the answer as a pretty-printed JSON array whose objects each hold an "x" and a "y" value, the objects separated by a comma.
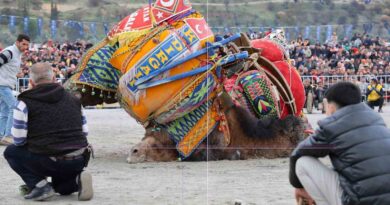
[
  {"x": 357, "y": 141},
  {"x": 49, "y": 132}
]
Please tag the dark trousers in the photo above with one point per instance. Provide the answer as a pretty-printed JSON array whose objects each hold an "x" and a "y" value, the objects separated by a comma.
[
  {"x": 378, "y": 102},
  {"x": 33, "y": 168}
]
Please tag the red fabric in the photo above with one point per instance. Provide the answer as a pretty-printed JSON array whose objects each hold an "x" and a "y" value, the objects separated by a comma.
[
  {"x": 294, "y": 81},
  {"x": 269, "y": 49}
]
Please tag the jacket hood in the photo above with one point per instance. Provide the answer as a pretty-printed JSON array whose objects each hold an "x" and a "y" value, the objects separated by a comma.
[
  {"x": 48, "y": 93},
  {"x": 349, "y": 118}
]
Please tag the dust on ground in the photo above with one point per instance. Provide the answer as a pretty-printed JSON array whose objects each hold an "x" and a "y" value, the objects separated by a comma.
[{"x": 113, "y": 132}]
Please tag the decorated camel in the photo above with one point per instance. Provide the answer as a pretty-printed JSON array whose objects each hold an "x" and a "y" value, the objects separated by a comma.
[{"x": 199, "y": 96}]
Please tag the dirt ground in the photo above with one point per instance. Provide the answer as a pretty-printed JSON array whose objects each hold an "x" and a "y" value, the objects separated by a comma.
[{"x": 113, "y": 132}]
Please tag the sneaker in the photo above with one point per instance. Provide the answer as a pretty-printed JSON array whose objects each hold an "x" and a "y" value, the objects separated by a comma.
[
  {"x": 6, "y": 140},
  {"x": 24, "y": 190},
  {"x": 84, "y": 180},
  {"x": 41, "y": 192}
]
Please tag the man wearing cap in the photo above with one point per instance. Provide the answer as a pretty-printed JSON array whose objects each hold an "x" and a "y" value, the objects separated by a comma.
[{"x": 375, "y": 94}]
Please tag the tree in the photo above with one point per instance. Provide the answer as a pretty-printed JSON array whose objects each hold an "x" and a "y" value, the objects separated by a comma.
[
  {"x": 36, "y": 4},
  {"x": 24, "y": 5},
  {"x": 93, "y": 3},
  {"x": 53, "y": 10}
]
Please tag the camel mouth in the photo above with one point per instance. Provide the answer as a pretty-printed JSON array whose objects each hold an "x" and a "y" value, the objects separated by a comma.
[{"x": 135, "y": 159}]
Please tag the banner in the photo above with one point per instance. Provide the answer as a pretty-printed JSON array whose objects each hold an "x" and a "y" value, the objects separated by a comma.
[
  {"x": 318, "y": 34},
  {"x": 296, "y": 31},
  {"x": 287, "y": 32},
  {"x": 40, "y": 26},
  {"x": 307, "y": 32},
  {"x": 53, "y": 29},
  {"x": 261, "y": 29},
  {"x": 367, "y": 27},
  {"x": 387, "y": 27},
  {"x": 11, "y": 24},
  {"x": 26, "y": 21},
  {"x": 80, "y": 26},
  {"x": 329, "y": 32},
  {"x": 227, "y": 30},
  {"x": 92, "y": 28},
  {"x": 106, "y": 29},
  {"x": 348, "y": 31}
]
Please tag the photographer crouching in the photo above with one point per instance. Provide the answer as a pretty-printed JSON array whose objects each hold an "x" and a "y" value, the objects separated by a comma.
[{"x": 49, "y": 133}]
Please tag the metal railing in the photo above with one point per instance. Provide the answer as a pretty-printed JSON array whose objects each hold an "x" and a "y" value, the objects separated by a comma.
[
  {"x": 362, "y": 81},
  {"x": 22, "y": 84}
]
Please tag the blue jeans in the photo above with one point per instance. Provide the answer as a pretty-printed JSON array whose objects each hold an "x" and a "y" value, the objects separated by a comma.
[
  {"x": 7, "y": 103},
  {"x": 33, "y": 168}
]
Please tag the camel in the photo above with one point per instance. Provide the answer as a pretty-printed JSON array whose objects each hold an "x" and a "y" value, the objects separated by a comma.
[
  {"x": 198, "y": 95},
  {"x": 250, "y": 138}
]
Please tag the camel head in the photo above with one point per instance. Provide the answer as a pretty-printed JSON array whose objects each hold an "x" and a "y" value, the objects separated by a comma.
[{"x": 156, "y": 146}]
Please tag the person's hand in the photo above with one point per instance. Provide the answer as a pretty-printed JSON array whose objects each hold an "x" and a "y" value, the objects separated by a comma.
[{"x": 301, "y": 193}]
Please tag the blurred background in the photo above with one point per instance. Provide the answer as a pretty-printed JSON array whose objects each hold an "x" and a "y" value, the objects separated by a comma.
[{"x": 62, "y": 20}]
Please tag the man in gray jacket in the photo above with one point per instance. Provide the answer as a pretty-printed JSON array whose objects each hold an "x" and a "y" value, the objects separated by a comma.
[
  {"x": 357, "y": 141},
  {"x": 10, "y": 60}
]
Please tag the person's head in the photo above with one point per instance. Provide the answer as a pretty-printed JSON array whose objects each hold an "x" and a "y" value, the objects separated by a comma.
[
  {"x": 374, "y": 81},
  {"x": 22, "y": 42},
  {"x": 41, "y": 73},
  {"x": 340, "y": 95}
]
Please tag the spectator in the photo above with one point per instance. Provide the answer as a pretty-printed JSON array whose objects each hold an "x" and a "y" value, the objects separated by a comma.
[
  {"x": 359, "y": 175},
  {"x": 375, "y": 94},
  {"x": 10, "y": 62},
  {"x": 50, "y": 140}
]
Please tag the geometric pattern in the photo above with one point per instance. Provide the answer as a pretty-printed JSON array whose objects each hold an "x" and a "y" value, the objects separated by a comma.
[
  {"x": 99, "y": 71},
  {"x": 257, "y": 89},
  {"x": 190, "y": 130}
]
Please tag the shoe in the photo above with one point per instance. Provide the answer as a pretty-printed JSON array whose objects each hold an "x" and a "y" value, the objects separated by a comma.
[
  {"x": 24, "y": 190},
  {"x": 84, "y": 181},
  {"x": 380, "y": 111},
  {"x": 6, "y": 140},
  {"x": 42, "y": 191}
]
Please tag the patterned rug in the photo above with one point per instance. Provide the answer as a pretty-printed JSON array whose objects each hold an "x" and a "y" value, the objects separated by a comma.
[
  {"x": 257, "y": 89},
  {"x": 190, "y": 130}
]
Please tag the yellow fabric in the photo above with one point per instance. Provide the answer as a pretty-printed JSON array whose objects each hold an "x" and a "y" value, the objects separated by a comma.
[{"x": 374, "y": 95}]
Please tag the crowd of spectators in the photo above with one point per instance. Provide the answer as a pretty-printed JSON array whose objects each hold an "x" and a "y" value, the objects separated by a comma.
[
  {"x": 63, "y": 57},
  {"x": 360, "y": 55}
]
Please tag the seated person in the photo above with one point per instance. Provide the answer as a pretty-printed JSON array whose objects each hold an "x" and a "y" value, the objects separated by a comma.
[
  {"x": 50, "y": 140},
  {"x": 357, "y": 141}
]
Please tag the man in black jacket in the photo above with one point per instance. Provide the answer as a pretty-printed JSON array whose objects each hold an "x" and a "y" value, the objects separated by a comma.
[
  {"x": 357, "y": 141},
  {"x": 49, "y": 132}
]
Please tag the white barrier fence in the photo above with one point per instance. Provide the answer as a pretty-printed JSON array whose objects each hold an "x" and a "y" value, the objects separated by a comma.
[{"x": 361, "y": 80}]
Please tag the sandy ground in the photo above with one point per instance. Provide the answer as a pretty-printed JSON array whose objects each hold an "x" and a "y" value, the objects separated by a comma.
[{"x": 113, "y": 132}]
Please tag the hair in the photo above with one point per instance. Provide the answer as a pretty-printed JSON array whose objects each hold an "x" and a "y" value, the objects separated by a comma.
[
  {"x": 41, "y": 72},
  {"x": 344, "y": 94},
  {"x": 22, "y": 37}
]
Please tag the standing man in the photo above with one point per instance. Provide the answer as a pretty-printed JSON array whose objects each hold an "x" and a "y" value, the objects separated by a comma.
[
  {"x": 50, "y": 139},
  {"x": 375, "y": 94},
  {"x": 10, "y": 60}
]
